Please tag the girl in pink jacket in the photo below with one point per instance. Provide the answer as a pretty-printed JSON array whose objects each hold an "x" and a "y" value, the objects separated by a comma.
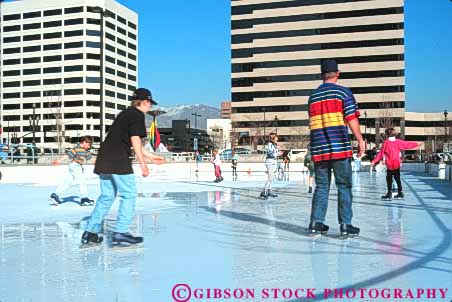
[{"x": 390, "y": 152}]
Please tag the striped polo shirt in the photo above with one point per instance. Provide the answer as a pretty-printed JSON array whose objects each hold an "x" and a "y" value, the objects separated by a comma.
[
  {"x": 330, "y": 107},
  {"x": 78, "y": 154}
]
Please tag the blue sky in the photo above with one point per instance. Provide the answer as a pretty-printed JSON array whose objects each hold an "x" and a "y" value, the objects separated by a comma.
[{"x": 184, "y": 51}]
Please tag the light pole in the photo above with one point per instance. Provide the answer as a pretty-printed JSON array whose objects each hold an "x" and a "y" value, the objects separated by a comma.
[
  {"x": 103, "y": 13},
  {"x": 365, "y": 126},
  {"x": 446, "y": 136},
  {"x": 33, "y": 120},
  {"x": 276, "y": 123},
  {"x": 196, "y": 115}
]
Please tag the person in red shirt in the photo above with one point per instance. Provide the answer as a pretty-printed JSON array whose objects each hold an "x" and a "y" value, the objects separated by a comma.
[{"x": 390, "y": 152}]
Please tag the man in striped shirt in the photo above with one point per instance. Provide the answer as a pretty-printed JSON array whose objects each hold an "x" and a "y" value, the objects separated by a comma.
[{"x": 331, "y": 109}]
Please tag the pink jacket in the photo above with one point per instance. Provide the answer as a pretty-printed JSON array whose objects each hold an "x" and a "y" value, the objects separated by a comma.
[{"x": 391, "y": 152}]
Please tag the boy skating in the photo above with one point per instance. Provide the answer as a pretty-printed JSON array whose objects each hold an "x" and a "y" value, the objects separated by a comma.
[{"x": 216, "y": 160}]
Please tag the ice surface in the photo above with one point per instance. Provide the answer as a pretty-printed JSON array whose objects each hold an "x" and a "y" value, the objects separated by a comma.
[{"x": 212, "y": 235}]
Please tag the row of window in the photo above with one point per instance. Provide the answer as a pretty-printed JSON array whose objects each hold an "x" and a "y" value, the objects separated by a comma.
[
  {"x": 73, "y": 68},
  {"x": 249, "y": 52},
  {"x": 249, "y": 23},
  {"x": 249, "y": 38},
  {"x": 68, "y": 57},
  {"x": 250, "y": 81},
  {"x": 249, "y": 67},
  {"x": 38, "y": 37},
  {"x": 53, "y": 93},
  {"x": 305, "y": 107},
  {"x": 249, "y": 96},
  {"x": 249, "y": 8},
  {"x": 68, "y": 10},
  {"x": 67, "y": 104},
  {"x": 57, "y": 46}
]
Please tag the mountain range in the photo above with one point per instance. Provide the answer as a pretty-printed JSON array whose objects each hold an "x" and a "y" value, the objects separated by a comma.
[{"x": 182, "y": 112}]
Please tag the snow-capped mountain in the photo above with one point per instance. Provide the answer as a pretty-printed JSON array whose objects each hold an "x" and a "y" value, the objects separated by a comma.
[{"x": 182, "y": 112}]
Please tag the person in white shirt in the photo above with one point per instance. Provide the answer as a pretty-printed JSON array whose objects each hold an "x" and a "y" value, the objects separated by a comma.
[
  {"x": 216, "y": 160},
  {"x": 271, "y": 160}
]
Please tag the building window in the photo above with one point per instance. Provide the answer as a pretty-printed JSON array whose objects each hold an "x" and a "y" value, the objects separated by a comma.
[
  {"x": 50, "y": 94},
  {"x": 132, "y": 36},
  {"x": 73, "y": 33},
  {"x": 121, "y": 41},
  {"x": 91, "y": 44},
  {"x": 132, "y": 56},
  {"x": 110, "y": 104},
  {"x": 73, "y": 127},
  {"x": 31, "y": 60},
  {"x": 32, "y": 48},
  {"x": 93, "y": 68},
  {"x": 11, "y": 84},
  {"x": 132, "y": 25},
  {"x": 32, "y": 83},
  {"x": 73, "y": 80},
  {"x": 73, "y": 115},
  {"x": 11, "y": 106},
  {"x": 120, "y": 107},
  {"x": 131, "y": 88},
  {"x": 73, "y": 10},
  {"x": 53, "y": 35},
  {"x": 32, "y": 26},
  {"x": 110, "y": 116},
  {"x": 93, "y": 104},
  {"x": 52, "y": 58},
  {"x": 110, "y": 48},
  {"x": 122, "y": 63},
  {"x": 110, "y": 70},
  {"x": 8, "y": 51},
  {"x": 53, "y": 12},
  {"x": 49, "y": 24},
  {"x": 11, "y": 17},
  {"x": 110, "y": 93},
  {"x": 110, "y": 25},
  {"x": 73, "y": 104},
  {"x": 73, "y": 68},
  {"x": 93, "y": 33},
  {"x": 52, "y": 47},
  {"x": 11, "y": 62},
  {"x": 11, "y": 28},
  {"x": 11, "y": 73},
  {"x": 121, "y": 85},
  {"x": 121, "y": 30},
  {"x": 92, "y": 56},
  {"x": 132, "y": 46},
  {"x": 122, "y": 20},
  {"x": 11, "y": 39},
  {"x": 77, "y": 91},
  {"x": 32, "y": 94},
  {"x": 11, "y": 95},
  {"x": 121, "y": 74},
  {"x": 121, "y": 96},
  {"x": 93, "y": 91},
  {"x": 92, "y": 80},
  {"x": 31, "y": 15},
  {"x": 32, "y": 71},
  {"x": 93, "y": 21},
  {"x": 132, "y": 77},
  {"x": 110, "y": 37},
  {"x": 55, "y": 81},
  {"x": 32, "y": 37},
  {"x": 132, "y": 67},
  {"x": 52, "y": 70},
  {"x": 121, "y": 52},
  {"x": 110, "y": 59},
  {"x": 73, "y": 45},
  {"x": 74, "y": 56},
  {"x": 110, "y": 82},
  {"x": 73, "y": 21}
]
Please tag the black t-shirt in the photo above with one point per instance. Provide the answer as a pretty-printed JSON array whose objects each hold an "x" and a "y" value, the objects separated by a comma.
[{"x": 114, "y": 152}]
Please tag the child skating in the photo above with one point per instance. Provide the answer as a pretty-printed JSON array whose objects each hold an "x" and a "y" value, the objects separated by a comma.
[
  {"x": 216, "y": 161},
  {"x": 390, "y": 152},
  {"x": 234, "y": 162},
  {"x": 309, "y": 164},
  {"x": 271, "y": 163},
  {"x": 78, "y": 156}
]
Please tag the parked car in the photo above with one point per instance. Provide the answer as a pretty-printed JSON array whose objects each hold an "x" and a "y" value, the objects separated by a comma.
[
  {"x": 297, "y": 155},
  {"x": 227, "y": 153}
]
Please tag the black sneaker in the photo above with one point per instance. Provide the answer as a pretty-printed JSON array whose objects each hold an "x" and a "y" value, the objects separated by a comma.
[
  {"x": 125, "y": 239},
  {"x": 264, "y": 196},
  {"x": 90, "y": 238},
  {"x": 55, "y": 199},
  {"x": 348, "y": 230},
  {"x": 310, "y": 190},
  {"x": 399, "y": 196},
  {"x": 272, "y": 194},
  {"x": 317, "y": 228},
  {"x": 387, "y": 196},
  {"x": 86, "y": 202}
]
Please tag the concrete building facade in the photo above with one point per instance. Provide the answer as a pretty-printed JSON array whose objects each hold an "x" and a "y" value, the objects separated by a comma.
[
  {"x": 50, "y": 68},
  {"x": 277, "y": 47}
]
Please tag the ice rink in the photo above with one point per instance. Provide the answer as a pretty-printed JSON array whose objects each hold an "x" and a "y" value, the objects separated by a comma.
[{"x": 221, "y": 236}]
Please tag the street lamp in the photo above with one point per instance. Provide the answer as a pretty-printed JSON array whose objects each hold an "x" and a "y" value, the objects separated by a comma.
[
  {"x": 446, "y": 136},
  {"x": 103, "y": 13}
]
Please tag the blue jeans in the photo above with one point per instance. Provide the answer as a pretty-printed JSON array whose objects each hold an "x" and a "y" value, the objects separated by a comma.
[
  {"x": 112, "y": 185},
  {"x": 342, "y": 170}
]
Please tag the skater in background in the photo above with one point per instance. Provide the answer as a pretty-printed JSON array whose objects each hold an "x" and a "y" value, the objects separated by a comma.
[
  {"x": 114, "y": 167},
  {"x": 286, "y": 160},
  {"x": 77, "y": 156},
  {"x": 216, "y": 161},
  {"x": 234, "y": 162},
  {"x": 391, "y": 153},
  {"x": 309, "y": 164},
  {"x": 198, "y": 159},
  {"x": 271, "y": 161},
  {"x": 356, "y": 162}
]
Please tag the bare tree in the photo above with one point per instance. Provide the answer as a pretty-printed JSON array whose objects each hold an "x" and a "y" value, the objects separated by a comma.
[{"x": 55, "y": 106}]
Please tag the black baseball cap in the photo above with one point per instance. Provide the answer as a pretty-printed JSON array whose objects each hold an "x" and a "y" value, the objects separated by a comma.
[
  {"x": 329, "y": 66},
  {"x": 144, "y": 94}
]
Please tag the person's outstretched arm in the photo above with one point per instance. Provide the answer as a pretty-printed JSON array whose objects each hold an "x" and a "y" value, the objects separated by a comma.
[{"x": 138, "y": 148}]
